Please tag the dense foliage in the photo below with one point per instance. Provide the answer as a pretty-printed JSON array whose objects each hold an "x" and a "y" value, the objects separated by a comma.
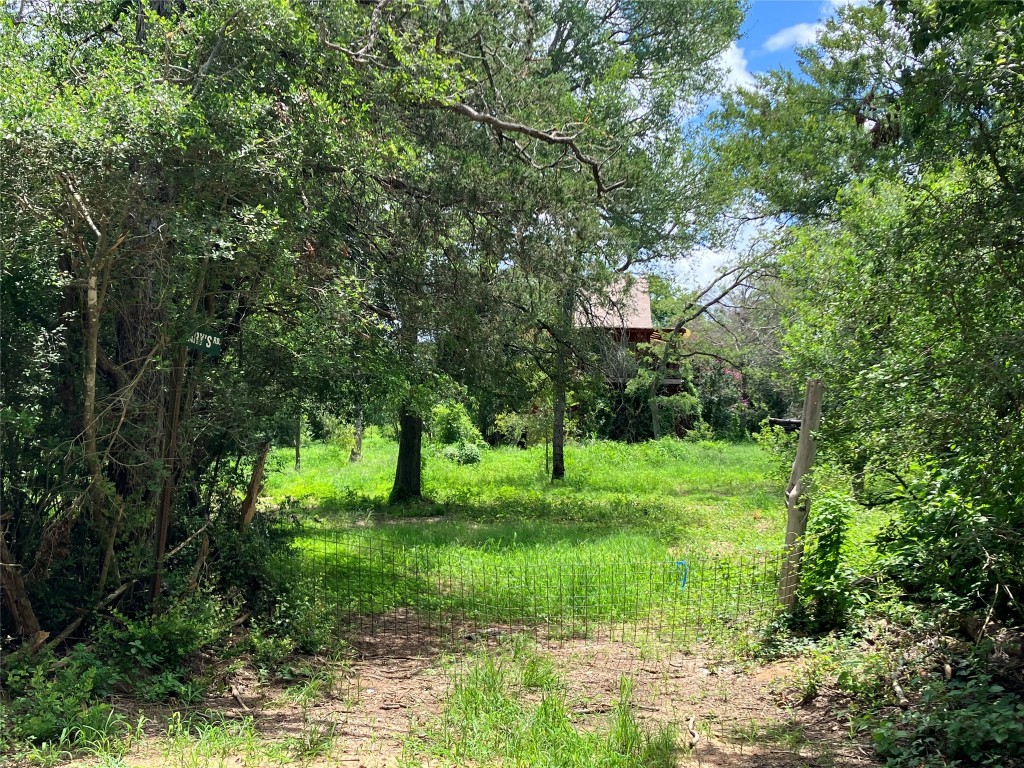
[
  {"x": 216, "y": 219},
  {"x": 898, "y": 162}
]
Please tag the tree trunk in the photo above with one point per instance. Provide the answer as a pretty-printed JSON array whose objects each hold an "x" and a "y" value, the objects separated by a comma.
[
  {"x": 356, "y": 454},
  {"x": 558, "y": 425},
  {"x": 298, "y": 442},
  {"x": 89, "y": 425},
  {"x": 408, "y": 473},
  {"x": 16, "y": 596},
  {"x": 798, "y": 507},
  {"x": 255, "y": 484},
  {"x": 162, "y": 524},
  {"x": 177, "y": 402}
]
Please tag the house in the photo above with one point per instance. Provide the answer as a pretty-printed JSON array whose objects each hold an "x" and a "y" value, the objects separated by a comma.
[{"x": 628, "y": 322}]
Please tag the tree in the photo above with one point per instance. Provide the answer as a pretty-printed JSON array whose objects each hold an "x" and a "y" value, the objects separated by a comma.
[
  {"x": 611, "y": 77},
  {"x": 904, "y": 267},
  {"x": 167, "y": 173}
]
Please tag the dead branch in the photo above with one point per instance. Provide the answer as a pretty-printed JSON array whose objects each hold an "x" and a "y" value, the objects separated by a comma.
[
  {"x": 554, "y": 137},
  {"x": 66, "y": 633},
  {"x": 214, "y": 52}
]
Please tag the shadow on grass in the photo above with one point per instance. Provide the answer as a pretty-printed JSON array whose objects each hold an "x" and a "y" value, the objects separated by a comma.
[
  {"x": 449, "y": 578},
  {"x": 522, "y": 521}
]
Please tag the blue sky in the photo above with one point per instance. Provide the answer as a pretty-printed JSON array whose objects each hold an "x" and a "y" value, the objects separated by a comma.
[{"x": 770, "y": 32}]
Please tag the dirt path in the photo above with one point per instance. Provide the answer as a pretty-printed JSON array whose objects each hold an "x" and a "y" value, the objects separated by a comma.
[{"x": 742, "y": 714}]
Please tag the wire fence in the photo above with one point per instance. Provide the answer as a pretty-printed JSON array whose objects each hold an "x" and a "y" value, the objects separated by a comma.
[{"x": 386, "y": 593}]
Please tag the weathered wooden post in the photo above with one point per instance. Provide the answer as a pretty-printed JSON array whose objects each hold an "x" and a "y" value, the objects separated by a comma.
[{"x": 797, "y": 505}]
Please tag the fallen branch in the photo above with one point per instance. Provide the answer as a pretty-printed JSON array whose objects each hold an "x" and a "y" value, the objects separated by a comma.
[
  {"x": 238, "y": 698},
  {"x": 67, "y": 632},
  {"x": 694, "y": 736},
  {"x": 901, "y": 697}
]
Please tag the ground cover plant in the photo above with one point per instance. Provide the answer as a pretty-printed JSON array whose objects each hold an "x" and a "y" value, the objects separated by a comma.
[
  {"x": 509, "y": 708},
  {"x": 718, "y": 497}
]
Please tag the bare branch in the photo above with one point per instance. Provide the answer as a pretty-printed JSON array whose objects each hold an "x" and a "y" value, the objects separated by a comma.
[
  {"x": 548, "y": 137},
  {"x": 363, "y": 55},
  {"x": 213, "y": 55},
  {"x": 79, "y": 205}
]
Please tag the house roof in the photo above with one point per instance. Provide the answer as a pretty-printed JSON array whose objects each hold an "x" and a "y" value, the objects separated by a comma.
[{"x": 630, "y": 307}]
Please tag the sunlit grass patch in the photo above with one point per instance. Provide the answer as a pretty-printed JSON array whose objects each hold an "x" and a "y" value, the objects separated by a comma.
[
  {"x": 206, "y": 739},
  {"x": 509, "y": 708},
  {"x": 664, "y": 493}
]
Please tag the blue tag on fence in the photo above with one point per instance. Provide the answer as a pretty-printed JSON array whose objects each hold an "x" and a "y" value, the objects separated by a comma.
[{"x": 685, "y": 574}]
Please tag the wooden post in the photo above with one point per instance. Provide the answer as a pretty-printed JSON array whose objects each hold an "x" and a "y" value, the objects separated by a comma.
[
  {"x": 255, "y": 484},
  {"x": 797, "y": 506}
]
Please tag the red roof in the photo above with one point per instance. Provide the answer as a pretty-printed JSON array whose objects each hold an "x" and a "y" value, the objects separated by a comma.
[{"x": 630, "y": 307}]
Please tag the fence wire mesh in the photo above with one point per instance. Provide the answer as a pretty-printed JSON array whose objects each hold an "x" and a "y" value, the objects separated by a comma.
[{"x": 383, "y": 592}]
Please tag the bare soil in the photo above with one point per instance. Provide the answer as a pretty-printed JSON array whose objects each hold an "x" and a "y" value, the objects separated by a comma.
[{"x": 739, "y": 714}]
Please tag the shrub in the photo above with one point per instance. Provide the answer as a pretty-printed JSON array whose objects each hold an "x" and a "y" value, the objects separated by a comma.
[
  {"x": 780, "y": 445},
  {"x": 166, "y": 640},
  {"x": 463, "y": 453},
  {"x": 957, "y": 549},
  {"x": 251, "y": 564},
  {"x": 450, "y": 424},
  {"x": 965, "y": 721},
  {"x": 701, "y": 433},
  {"x": 827, "y": 594},
  {"x": 303, "y": 617},
  {"x": 56, "y": 699}
]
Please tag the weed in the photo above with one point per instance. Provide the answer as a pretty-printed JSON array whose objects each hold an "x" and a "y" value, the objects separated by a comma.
[
  {"x": 319, "y": 685},
  {"x": 316, "y": 740},
  {"x": 199, "y": 740},
  {"x": 488, "y": 717}
]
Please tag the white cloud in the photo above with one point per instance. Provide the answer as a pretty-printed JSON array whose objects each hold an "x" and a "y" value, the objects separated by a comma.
[
  {"x": 702, "y": 267},
  {"x": 831, "y": 6},
  {"x": 733, "y": 63},
  {"x": 799, "y": 34}
]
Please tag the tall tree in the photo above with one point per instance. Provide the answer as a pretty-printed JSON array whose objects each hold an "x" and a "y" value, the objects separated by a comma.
[{"x": 906, "y": 263}]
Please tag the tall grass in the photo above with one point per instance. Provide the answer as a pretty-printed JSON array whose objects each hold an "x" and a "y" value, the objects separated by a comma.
[
  {"x": 644, "y": 498},
  {"x": 568, "y": 591},
  {"x": 509, "y": 708},
  {"x": 500, "y": 542}
]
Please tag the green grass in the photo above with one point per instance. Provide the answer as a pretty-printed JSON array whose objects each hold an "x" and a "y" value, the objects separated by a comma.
[
  {"x": 666, "y": 497},
  {"x": 500, "y": 543},
  {"x": 509, "y": 708}
]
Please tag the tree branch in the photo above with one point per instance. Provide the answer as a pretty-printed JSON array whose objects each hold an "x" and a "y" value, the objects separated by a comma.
[{"x": 548, "y": 137}]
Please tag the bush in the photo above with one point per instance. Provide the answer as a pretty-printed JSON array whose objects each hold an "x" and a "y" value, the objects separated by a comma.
[
  {"x": 252, "y": 564},
  {"x": 56, "y": 699},
  {"x": 958, "y": 550},
  {"x": 166, "y": 640},
  {"x": 701, "y": 433},
  {"x": 780, "y": 445},
  {"x": 303, "y": 617},
  {"x": 827, "y": 594},
  {"x": 965, "y": 721},
  {"x": 463, "y": 453},
  {"x": 450, "y": 424}
]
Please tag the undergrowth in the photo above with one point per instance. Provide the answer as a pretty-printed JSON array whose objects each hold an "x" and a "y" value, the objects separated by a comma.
[
  {"x": 510, "y": 708},
  {"x": 922, "y": 694}
]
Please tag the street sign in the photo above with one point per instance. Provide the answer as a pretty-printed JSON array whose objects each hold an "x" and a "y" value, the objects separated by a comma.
[{"x": 206, "y": 342}]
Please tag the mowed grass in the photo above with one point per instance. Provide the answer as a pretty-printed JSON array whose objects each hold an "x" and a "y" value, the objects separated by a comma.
[{"x": 654, "y": 499}]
